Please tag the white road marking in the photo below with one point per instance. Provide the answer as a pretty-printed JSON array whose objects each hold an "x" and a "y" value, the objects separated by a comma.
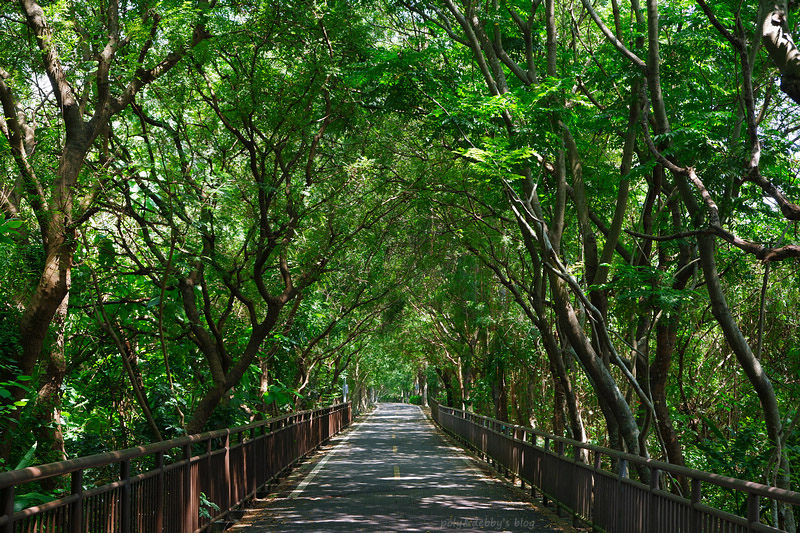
[{"x": 311, "y": 475}]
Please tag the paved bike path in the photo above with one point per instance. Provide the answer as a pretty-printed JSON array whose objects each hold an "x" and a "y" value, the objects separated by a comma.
[{"x": 394, "y": 472}]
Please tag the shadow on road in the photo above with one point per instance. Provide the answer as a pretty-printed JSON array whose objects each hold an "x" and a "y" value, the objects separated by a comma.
[{"x": 394, "y": 472}]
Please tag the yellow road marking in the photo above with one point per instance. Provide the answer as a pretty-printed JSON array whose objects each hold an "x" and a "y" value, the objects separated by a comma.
[
  {"x": 394, "y": 449},
  {"x": 396, "y": 471}
]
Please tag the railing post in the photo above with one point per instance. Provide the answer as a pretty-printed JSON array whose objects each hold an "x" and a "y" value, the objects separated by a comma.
[
  {"x": 546, "y": 450},
  {"x": 76, "y": 507},
  {"x": 576, "y": 489},
  {"x": 596, "y": 464},
  {"x": 7, "y": 498},
  {"x": 227, "y": 493},
  {"x": 253, "y": 456},
  {"x": 521, "y": 459},
  {"x": 160, "y": 492},
  {"x": 622, "y": 473},
  {"x": 753, "y": 511},
  {"x": 559, "y": 477},
  {"x": 125, "y": 496},
  {"x": 653, "y": 507},
  {"x": 694, "y": 515},
  {"x": 202, "y": 484},
  {"x": 532, "y": 438},
  {"x": 188, "y": 499}
]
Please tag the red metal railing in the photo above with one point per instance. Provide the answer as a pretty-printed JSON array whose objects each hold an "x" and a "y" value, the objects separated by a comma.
[
  {"x": 181, "y": 485},
  {"x": 577, "y": 477}
]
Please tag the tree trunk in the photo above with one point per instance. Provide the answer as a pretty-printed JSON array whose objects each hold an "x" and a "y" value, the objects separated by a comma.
[
  {"x": 751, "y": 366},
  {"x": 501, "y": 396},
  {"x": 446, "y": 377},
  {"x": 774, "y": 30},
  {"x": 603, "y": 381},
  {"x": 559, "y": 403},
  {"x": 666, "y": 338},
  {"x": 47, "y": 409},
  {"x": 35, "y": 322}
]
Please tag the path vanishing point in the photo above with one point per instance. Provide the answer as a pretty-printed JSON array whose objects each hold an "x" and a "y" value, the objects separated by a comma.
[{"x": 393, "y": 471}]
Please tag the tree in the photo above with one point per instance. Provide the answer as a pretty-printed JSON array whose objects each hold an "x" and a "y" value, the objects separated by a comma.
[{"x": 79, "y": 67}]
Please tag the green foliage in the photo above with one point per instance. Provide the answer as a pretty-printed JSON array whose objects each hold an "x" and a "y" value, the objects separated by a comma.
[
  {"x": 640, "y": 289},
  {"x": 736, "y": 453},
  {"x": 495, "y": 159},
  {"x": 206, "y": 506},
  {"x": 280, "y": 395},
  {"x": 320, "y": 188},
  {"x": 8, "y": 228},
  {"x": 30, "y": 499},
  {"x": 8, "y": 404}
]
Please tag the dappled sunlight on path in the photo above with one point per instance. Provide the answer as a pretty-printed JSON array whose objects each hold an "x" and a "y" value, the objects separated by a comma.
[{"x": 394, "y": 472}]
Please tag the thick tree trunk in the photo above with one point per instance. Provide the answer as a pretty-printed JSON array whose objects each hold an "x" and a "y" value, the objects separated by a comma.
[
  {"x": 54, "y": 283},
  {"x": 50, "y": 294},
  {"x": 559, "y": 404},
  {"x": 446, "y": 378},
  {"x": 500, "y": 392},
  {"x": 47, "y": 409},
  {"x": 774, "y": 30},
  {"x": 603, "y": 381},
  {"x": 213, "y": 396},
  {"x": 424, "y": 388},
  {"x": 666, "y": 337},
  {"x": 750, "y": 364},
  {"x": 666, "y": 340}
]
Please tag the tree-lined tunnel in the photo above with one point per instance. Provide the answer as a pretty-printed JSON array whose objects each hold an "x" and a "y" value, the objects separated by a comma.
[{"x": 578, "y": 217}]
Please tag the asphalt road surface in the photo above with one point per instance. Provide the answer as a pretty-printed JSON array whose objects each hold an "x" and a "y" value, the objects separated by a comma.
[{"x": 392, "y": 471}]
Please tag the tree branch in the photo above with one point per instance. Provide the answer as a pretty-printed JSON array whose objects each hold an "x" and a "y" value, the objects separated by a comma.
[{"x": 619, "y": 45}]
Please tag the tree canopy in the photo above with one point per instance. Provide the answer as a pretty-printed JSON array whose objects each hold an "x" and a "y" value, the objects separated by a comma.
[{"x": 580, "y": 216}]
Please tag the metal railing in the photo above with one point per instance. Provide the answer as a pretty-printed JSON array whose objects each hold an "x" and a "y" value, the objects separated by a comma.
[
  {"x": 593, "y": 483},
  {"x": 181, "y": 485}
]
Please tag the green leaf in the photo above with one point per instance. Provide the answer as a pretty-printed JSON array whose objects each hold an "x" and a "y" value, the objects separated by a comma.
[
  {"x": 26, "y": 460},
  {"x": 30, "y": 499},
  {"x": 713, "y": 427}
]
